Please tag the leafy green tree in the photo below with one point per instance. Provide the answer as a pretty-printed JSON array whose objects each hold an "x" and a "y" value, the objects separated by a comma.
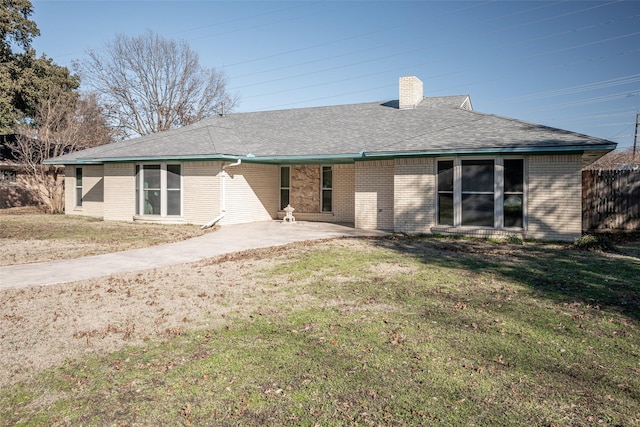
[
  {"x": 15, "y": 26},
  {"x": 24, "y": 78},
  {"x": 40, "y": 102}
]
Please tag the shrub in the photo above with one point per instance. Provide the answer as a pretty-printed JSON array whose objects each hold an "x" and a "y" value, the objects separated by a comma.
[{"x": 593, "y": 243}]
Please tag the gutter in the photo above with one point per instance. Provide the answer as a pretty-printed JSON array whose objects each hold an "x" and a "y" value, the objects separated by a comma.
[
  {"x": 223, "y": 198},
  {"x": 340, "y": 158}
]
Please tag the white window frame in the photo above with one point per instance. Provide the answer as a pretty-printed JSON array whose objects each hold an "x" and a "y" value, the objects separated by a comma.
[
  {"x": 523, "y": 192},
  {"x": 323, "y": 189},
  {"x": 140, "y": 199},
  {"x": 281, "y": 207},
  {"x": 77, "y": 188},
  {"x": 498, "y": 206}
]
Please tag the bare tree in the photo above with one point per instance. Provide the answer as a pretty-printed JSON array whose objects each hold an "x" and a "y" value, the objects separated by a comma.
[
  {"x": 150, "y": 84},
  {"x": 63, "y": 123}
]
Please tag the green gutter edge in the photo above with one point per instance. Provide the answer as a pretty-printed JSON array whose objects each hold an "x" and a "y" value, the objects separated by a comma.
[{"x": 341, "y": 158}]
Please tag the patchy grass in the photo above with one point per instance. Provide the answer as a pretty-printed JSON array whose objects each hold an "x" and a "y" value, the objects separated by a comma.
[
  {"x": 54, "y": 237},
  {"x": 399, "y": 331}
]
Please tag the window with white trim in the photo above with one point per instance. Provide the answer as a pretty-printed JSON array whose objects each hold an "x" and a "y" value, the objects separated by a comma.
[
  {"x": 285, "y": 186},
  {"x": 481, "y": 192},
  {"x": 159, "y": 189},
  {"x": 327, "y": 189},
  {"x": 477, "y": 201},
  {"x": 78, "y": 187},
  {"x": 445, "y": 192}
]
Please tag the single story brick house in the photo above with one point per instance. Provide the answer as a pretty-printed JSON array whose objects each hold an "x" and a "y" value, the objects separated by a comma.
[{"x": 415, "y": 165}]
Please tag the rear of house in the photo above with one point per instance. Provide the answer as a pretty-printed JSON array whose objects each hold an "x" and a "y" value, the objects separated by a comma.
[{"x": 415, "y": 165}]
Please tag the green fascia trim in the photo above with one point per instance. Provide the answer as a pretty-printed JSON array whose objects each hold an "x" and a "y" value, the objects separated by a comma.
[
  {"x": 103, "y": 160},
  {"x": 492, "y": 151},
  {"x": 73, "y": 162},
  {"x": 345, "y": 158},
  {"x": 306, "y": 159},
  {"x": 196, "y": 157}
]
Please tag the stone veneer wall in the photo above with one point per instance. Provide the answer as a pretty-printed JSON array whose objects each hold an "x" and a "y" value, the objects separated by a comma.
[{"x": 305, "y": 188}]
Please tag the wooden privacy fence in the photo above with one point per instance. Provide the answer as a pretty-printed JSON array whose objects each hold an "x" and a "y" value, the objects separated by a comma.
[{"x": 611, "y": 200}]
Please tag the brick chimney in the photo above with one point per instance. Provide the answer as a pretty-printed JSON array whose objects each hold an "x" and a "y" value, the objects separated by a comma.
[{"x": 410, "y": 92}]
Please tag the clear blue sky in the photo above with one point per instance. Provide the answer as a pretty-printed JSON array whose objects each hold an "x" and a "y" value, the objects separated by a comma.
[{"x": 574, "y": 65}]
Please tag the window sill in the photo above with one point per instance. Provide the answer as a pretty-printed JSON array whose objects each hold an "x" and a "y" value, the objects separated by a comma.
[
  {"x": 476, "y": 231},
  {"x": 157, "y": 219}
]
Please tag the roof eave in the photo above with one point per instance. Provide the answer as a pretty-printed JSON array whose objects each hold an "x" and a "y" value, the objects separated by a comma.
[
  {"x": 344, "y": 158},
  {"x": 494, "y": 150}
]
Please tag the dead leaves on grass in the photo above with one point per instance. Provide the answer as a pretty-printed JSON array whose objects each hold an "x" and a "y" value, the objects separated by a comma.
[{"x": 126, "y": 331}]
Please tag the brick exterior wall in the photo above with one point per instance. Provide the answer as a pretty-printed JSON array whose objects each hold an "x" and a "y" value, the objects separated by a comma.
[
  {"x": 414, "y": 195},
  {"x": 18, "y": 193},
  {"x": 374, "y": 195},
  {"x": 344, "y": 187},
  {"x": 252, "y": 193},
  {"x": 119, "y": 191},
  {"x": 200, "y": 191},
  {"x": 69, "y": 191},
  {"x": 554, "y": 197},
  {"x": 398, "y": 195},
  {"x": 92, "y": 191}
]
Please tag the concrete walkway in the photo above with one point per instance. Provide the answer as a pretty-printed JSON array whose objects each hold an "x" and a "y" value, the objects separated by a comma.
[{"x": 227, "y": 239}]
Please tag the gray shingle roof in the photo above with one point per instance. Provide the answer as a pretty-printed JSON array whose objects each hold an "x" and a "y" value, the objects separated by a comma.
[{"x": 438, "y": 125}]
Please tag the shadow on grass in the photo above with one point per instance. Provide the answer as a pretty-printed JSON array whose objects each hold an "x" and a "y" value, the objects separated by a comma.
[{"x": 557, "y": 272}]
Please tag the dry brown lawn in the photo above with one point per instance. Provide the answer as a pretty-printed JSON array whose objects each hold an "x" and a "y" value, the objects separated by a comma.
[{"x": 41, "y": 326}]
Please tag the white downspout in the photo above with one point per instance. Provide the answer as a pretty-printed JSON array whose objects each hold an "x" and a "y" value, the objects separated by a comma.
[{"x": 223, "y": 197}]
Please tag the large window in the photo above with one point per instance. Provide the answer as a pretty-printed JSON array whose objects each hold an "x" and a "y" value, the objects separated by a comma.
[
  {"x": 285, "y": 186},
  {"x": 477, "y": 192},
  {"x": 78, "y": 187},
  {"x": 481, "y": 192},
  {"x": 327, "y": 188},
  {"x": 159, "y": 190}
]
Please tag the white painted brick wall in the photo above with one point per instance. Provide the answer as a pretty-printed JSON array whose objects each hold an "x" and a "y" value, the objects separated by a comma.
[
  {"x": 119, "y": 191},
  {"x": 414, "y": 195},
  {"x": 410, "y": 92},
  {"x": 200, "y": 191},
  {"x": 555, "y": 197},
  {"x": 92, "y": 191},
  {"x": 69, "y": 191},
  {"x": 252, "y": 193},
  {"x": 344, "y": 185},
  {"x": 374, "y": 195}
]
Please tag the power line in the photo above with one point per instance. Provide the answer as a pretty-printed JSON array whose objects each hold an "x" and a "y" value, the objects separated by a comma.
[{"x": 386, "y": 57}]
